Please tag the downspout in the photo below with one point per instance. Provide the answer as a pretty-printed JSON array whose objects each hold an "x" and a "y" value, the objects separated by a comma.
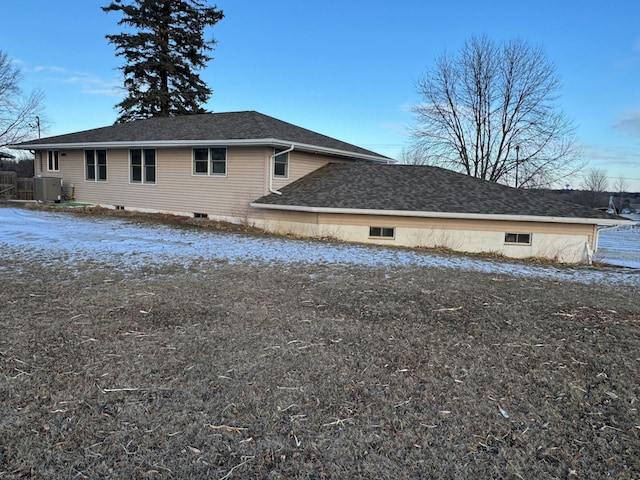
[
  {"x": 271, "y": 163},
  {"x": 37, "y": 170}
]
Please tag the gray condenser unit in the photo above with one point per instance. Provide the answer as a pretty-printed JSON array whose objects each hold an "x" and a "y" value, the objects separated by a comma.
[{"x": 47, "y": 189}]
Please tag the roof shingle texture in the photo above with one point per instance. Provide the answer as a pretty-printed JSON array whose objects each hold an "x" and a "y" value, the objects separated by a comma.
[
  {"x": 249, "y": 125},
  {"x": 419, "y": 189}
]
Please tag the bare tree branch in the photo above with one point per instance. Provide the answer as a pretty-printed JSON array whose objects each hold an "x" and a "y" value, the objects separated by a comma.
[
  {"x": 621, "y": 185},
  {"x": 596, "y": 183},
  {"x": 17, "y": 110},
  {"x": 479, "y": 105}
]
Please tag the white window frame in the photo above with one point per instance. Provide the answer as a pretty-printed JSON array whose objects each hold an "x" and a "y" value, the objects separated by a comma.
[
  {"x": 285, "y": 156},
  {"x": 210, "y": 162},
  {"x": 53, "y": 161},
  {"x": 388, "y": 233},
  {"x": 512, "y": 238},
  {"x": 144, "y": 166}
]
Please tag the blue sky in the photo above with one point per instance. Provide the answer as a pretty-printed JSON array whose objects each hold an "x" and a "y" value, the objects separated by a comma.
[{"x": 347, "y": 68}]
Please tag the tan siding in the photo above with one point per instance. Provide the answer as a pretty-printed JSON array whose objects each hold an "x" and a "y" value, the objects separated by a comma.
[
  {"x": 417, "y": 222},
  {"x": 455, "y": 224},
  {"x": 301, "y": 164},
  {"x": 559, "y": 242},
  {"x": 177, "y": 190}
]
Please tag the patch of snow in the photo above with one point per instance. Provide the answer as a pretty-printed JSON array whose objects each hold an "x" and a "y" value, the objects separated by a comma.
[
  {"x": 52, "y": 236},
  {"x": 620, "y": 246}
]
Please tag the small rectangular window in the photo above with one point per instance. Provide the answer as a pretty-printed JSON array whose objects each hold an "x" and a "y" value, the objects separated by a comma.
[
  {"x": 52, "y": 161},
  {"x": 281, "y": 164},
  {"x": 382, "y": 232},
  {"x": 519, "y": 238}
]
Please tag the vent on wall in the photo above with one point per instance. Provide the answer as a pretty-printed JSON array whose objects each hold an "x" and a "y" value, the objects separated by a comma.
[
  {"x": 200, "y": 215},
  {"x": 119, "y": 207}
]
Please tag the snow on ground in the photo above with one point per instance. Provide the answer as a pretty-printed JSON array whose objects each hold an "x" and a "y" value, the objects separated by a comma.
[
  {"x": 620, "y": 246},
  {"x": 38, "y": 235}
]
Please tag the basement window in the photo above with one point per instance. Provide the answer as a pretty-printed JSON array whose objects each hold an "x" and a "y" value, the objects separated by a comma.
[
  {"x": 518, "y": 238},
  {"x": 382, "y": 232}
]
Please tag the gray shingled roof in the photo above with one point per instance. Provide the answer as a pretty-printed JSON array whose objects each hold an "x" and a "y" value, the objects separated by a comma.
[
  {"x": 419, "y": 189},
  {"x": 209, "y": 127}
]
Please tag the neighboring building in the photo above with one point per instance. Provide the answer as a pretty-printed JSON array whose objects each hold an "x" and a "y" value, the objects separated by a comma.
[{"x": 245, "y": 167}]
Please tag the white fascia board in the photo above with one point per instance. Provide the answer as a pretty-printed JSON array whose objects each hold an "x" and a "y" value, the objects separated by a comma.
[
  {"x": 452, "y": 215},
  {"x": 204, "y": 143}
]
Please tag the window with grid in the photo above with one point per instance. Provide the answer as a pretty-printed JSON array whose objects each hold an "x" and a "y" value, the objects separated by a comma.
[
  {"x": 143, "y": 165},
  {"x": 95, "y": 165},
  {"x": 382, "y": 232},
  {"x": 518, "y": 238},
  {"x": 210, "y": 161}
]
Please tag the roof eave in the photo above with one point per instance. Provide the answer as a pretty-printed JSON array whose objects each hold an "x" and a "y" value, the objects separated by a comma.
[
  {"x": 448, "y": 215},
  {"x": 275, "y": 142}
]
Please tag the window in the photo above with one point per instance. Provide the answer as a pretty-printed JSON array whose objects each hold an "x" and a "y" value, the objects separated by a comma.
[
  {"x": 210, "y": 161},
  {"x": 519, "y": 238},
  {"x": 281, "y": 164},
  {"x": 143, "y": 165},
  {"x": 96, "y": 165},
  {"x": 382, "y": 232},
  {"x": 218, "y": 161},
  {"x": 52, "y": 161}
]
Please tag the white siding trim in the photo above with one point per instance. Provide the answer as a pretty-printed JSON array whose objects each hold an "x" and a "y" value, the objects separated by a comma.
[
  {"x": 470, "y": 216},
  {"x": 254, "y": 142}
]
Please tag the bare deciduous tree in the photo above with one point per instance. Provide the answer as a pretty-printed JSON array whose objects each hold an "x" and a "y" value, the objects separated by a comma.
[
  {"x": 595, "y": 182},
  {"x": 18, "y": 111},
  {"x": 413, "y": 156},
  {"x": 621, "y": 185},
  {"x": 490, "y": 112}
]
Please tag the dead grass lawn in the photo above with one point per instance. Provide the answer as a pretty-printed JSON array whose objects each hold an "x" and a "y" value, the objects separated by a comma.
[{"x": 314, "y": 372}]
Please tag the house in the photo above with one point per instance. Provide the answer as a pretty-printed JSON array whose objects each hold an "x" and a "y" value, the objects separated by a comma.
[
  {"x": 423, "y": 206},
  {"x": 209, "y": 165},
  {"x": 246, "y": 167}
]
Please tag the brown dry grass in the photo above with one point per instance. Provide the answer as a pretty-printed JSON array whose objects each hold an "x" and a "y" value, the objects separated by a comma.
[{"x": 237, "y": 371}]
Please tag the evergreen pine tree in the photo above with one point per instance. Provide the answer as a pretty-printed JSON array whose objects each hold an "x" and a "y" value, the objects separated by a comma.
[{"x": 163, "y": 52}]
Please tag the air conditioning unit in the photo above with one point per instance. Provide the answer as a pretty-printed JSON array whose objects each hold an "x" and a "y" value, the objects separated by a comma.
[{"x": 47, "y": 189}]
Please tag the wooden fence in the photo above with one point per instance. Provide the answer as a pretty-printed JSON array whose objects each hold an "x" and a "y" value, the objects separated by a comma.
[
  {"x": 13, "y": 187},
  {"x": 24, "y": 189}
]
